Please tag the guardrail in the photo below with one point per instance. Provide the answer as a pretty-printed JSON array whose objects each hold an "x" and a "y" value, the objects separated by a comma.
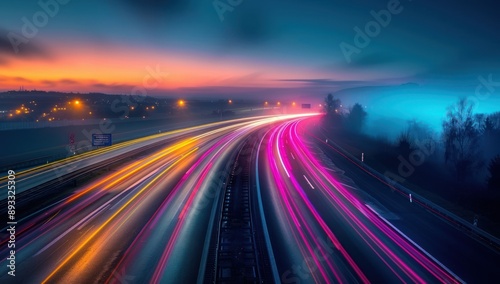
[{"x": 459, "y": 222}]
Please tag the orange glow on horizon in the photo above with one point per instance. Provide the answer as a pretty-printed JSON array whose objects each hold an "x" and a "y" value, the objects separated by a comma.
[{"x": 92, "y": 68}]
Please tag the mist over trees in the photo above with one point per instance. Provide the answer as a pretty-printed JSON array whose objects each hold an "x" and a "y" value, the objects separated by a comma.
[
  {"x": 468, "y": 146},
  {"x": 461, "y": 137},
  {"x": 459, "y": 164},
  {"x": 356, "y": 118},
  {"x": 331, "y": 108},
  {"x": 331, "y": 105},
  {"x": 494, "y": 171},
  {"x": 351, "y": 121}
]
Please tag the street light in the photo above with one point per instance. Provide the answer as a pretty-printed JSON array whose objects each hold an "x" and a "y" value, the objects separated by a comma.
[
  {"x": 279, "y": 103},
  {"x": 230, "y": 101},
  {"x": 181, "y": 103},
  {"x": 293, "y": 104}
]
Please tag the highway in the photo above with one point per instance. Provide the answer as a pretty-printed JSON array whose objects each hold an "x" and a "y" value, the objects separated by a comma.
[{"x": 257, "y": 200}]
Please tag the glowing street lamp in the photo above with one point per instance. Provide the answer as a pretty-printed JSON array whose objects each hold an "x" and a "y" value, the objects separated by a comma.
[
  {"x": 279, "y": 103},
  {"x": 266, "y": 103},
  {"x": 181, "y": 103},
  {"x": 230, "y": 101},
  {"x": 293, "y": 104}
]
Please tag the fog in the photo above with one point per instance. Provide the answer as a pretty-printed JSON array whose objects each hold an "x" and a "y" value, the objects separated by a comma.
[{"x": 391, "y": 108}]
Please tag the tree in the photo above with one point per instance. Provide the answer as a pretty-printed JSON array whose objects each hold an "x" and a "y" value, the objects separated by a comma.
[
  {"x": 356, "y": 118},
  {"x": 488, "y": 126},
  {"x": 331, "y": 105},
  {"x": 404, "y": 144},
  {"x": 333, "y": 116},
  {"x": 494, "y": 169},
  {"x": 461, "y": 139},
  {"x": 422, "y": 135}
]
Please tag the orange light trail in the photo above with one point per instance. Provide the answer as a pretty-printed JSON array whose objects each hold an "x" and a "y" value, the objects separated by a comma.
[{"x": 86, "y": 241}]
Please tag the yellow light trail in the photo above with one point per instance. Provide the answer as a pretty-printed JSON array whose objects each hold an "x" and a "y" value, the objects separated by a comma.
[
  {"x": 120, "y": 145},
  {"x": 126, "y": 172},
  {"x": 86, "y": 241}
]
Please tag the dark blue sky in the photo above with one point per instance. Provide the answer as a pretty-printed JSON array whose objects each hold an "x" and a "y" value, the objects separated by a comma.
[{"x": 266, "y": 47}]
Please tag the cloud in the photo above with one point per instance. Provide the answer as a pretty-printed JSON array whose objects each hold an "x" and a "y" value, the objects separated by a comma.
[
  {"x": 27, "y": 50},
  {"x": 22, "y": 80},
  {"x": 328, "y": 83},
  {"x": 322, "y": 81},
  {"x": 245, "y": 79},
  {"x": 54, "y": 83},
  {"x": 248, "y": 24},
  {"x": 15, "y": 79},
  {"x": 365, "y": 61},
  {"x": 155, "y": 9},
  {"x": 68, "y": 81},
  {"x": 112, "y": 88},
  {"x": 372, "y": 60}
]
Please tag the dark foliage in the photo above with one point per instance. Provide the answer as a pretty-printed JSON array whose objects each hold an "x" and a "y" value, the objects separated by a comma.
[
  {"x": 494, "y": 170},
  {"x": 356, "y": 118}
]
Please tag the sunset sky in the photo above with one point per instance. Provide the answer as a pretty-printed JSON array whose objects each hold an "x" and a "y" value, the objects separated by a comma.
[{"x": 259, "y": 47}]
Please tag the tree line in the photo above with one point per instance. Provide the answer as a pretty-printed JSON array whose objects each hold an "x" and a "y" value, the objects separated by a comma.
[{"x": 470, "y": 141}]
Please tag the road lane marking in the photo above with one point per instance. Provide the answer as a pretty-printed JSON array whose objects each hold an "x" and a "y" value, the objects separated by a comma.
[
  {"x": 416, "y": 245},
  {"x": 79, "y": 224},
  {"x": 52, "y": 216},
  {"x": 85, "y": 220},
  {"x": 110, "y": 219},
  {"x": 310, "y": 184}
]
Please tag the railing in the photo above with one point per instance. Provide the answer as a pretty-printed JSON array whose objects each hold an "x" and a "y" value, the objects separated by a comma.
[{"x": 416, "y": 198}]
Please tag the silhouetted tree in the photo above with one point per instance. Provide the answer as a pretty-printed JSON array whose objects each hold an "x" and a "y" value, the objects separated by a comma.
[
  {"x": 495, "y": 119},
  {"x": 331, "y": 105},
  {"x": 494, "y": 169},
  {"x": 333, "y": 115},
  {"x": 403, "y": 143},
  {"x": 356, "y": 118},
  {"x": 461, "y": 139},
  {"x": 488, "y": 126},
  {"x": 421, "y": 135}
]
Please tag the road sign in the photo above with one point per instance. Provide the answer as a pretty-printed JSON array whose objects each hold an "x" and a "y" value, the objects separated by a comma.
[{"x": 101, "y": 140}]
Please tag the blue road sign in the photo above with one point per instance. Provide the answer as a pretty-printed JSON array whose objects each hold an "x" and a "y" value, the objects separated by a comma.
[
  {"x": 306, "y": 105},
  {"x": 101, "y": 140}
]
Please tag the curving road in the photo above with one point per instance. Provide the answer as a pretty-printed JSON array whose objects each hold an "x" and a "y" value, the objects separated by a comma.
[{"x": 156, "y": 210}]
